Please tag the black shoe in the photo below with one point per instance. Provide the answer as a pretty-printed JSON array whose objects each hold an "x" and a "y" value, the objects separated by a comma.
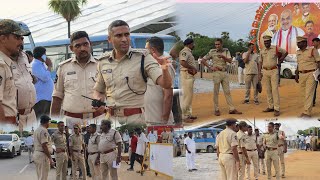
[
  {"x": 245, "y": 102},
  {"x": 190, "y": 170},
  {"x": 194, "y": 169},
  {"x": 130, "y": 169}
]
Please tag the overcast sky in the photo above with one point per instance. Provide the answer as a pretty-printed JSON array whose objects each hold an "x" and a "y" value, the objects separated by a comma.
[{"x": 213, "y": 18}]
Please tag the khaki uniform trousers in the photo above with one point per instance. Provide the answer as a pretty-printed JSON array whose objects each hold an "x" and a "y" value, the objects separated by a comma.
[
  {"x": 273, "y": 157},
  {"x": 106, "y": 161},
  {"x": 133, "y": 119},
  {"x": 28, "y": 120},
  {"x": 71, "y": 121},
  {"x": 307, "y": 88},
  {"x": 183, "y": 150},
  {"x": 241, "y": 172},
  {"x": 42, "y": 163},
  {"x": 62, "y": 165},
  {"x": 187, "y": 82},
  {"x": 78, "y": 161},
  {"x": 228, "y": 167},
  {"x": 94, "y": 169},
  {"x": 271, "y": 78},
  {"x": 220, "y": 77},
  {"x": 281, "y": 156},
  {"x": 251, "y": 79},
  {"x": 254, "y": 159}
]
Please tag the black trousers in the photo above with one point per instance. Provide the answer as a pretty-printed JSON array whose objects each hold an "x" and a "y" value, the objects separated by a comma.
[
  {"x": 42, "y": 108},
  {"x": 315, "y": 94},
  {"x": 132, "y": 159},
  {"x": 176, "y": 109}
]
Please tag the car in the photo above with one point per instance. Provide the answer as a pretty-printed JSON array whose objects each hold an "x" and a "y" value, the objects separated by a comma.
[
  {"x": 10, "y": 145},
  {"x": 288, "y": 69}
]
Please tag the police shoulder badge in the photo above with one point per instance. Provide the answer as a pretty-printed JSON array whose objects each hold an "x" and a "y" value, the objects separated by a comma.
[{"x": 184, "y": 54}]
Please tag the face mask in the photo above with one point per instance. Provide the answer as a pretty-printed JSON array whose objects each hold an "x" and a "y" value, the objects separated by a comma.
[{"x": 44, "y": 57}]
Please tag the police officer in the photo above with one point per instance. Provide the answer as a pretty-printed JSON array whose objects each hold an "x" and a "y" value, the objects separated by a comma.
[
  {"x": 93, "y": 151},
  {"x": 171, "y": 136},
  {"x": 11, "y": 40},
  {"x": 23, "y": 81},
  {"x": 60, "y": 142},
  {"x": 282, "y": 147},
  {"x": 270, "y": 142},
  {"x": 220, "y": 56},
  {"x": 261, "y": 151},
  {"x": 77, "y": 148},
  {"x": 110, "y": 150},
  {"x": 76, "y": 77},
  {"x": 187, "y": 72},
  {"x": 268, "y": 62},
  {"x": 227, "y": 151},
  {"x": 243, "y": 155},
  {"x": 164, "y": 136},
  {"x": 251, "y": 147},
  {"x": 308, "y": 62},
  {"x": 120, "y": 77},
  {"x": 43, "y": 149}
]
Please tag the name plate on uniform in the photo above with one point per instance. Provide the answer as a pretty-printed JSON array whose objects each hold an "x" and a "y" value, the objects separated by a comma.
[{"x": 70, "y": 73}]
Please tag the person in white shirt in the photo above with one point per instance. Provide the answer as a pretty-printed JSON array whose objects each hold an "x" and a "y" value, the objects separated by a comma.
[
  {"x": 125, "y": 138},
  {"x": 190, "y": 145},
  {"x": 152, "y": 137},
  {"x": 308, "y": 141},
  {"x": 141, "y": 147},
  {"x": 29, "y": 144}
]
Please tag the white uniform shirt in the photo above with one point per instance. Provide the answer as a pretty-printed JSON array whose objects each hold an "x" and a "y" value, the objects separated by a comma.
[
  {"x": 125, "y": 137},
  {"x": 191, "y": 144},
  {"x": 308, "y": 139},
  {"x": 29, "y": 141},
  {"x": 142, "y": 140},
  {"x": 152, "y": 137}
]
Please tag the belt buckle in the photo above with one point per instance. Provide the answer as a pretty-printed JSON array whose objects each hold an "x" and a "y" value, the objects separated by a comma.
[
  {"x": 119, "y": 112},
  {"x": 87, "y": 115}
]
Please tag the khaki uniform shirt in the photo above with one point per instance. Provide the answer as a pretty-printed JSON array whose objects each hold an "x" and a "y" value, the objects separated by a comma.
[
  {"x": 93, "y": 143},
  {"x": 59, "y": 139},
  {"x": 260, "y": 140},
  {"x": 164, "y": 135},
  {"x": 251, "y": 67},
  {"x": 76, "y": 141},
  {"x": 186, "y": 55},
  {"x": 23, "y": 82},
  {"x": 282, "y": 137},
  {"x": 308, "y": 59},
  {"x": 41, "y": 136},
  {"x": 115, "y": 75},
  {"x": 271, "y": 140},
  {"x": 242, "y": 140},
  {"x": 269, "y": 56},
  {"x": 251, "y": 143},
  {"x": 218, "y": 62},
  {"x": 8, "y": 89},
  {"x": 170, "y": 137},
  {"x": 227, "y": 139},
  {"x": 109, "y": 140},
  {"x": 72, "y": 81}
]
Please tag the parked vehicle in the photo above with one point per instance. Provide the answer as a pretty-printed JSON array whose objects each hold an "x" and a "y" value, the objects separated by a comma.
[{"x": 10, "y": 145}]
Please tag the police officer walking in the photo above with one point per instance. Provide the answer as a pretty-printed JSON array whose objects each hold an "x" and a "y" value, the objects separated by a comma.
[
  {"x": 121, "y": 79},
  {"x": 93, "y": 151},
  {"x": 220, "y": 56},
  {"x": 11, "y": 40},
  {"x": 43, "y": 149},
  {"x": 60, "y": 141},
  {"x": 282, "y": 147},
  {"x": 251, "y": 147},
  {"x": 261, "y": 152}
]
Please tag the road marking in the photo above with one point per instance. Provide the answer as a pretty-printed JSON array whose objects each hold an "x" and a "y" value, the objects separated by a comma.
[{"x": 23, "y": 169}]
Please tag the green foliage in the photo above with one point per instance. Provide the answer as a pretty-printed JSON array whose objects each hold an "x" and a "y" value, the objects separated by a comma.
[
  {"x": 308, "y": 131},
  {"x": 24, "y": 133},
  {"x": 130, "y": 127},
  {"x": 69, "y": 9}
]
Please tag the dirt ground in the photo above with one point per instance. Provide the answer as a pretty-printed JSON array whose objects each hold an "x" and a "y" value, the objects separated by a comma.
[{"x": 290, "y": 103}]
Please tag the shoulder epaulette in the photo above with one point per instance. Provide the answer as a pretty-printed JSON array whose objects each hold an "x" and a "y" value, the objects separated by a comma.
[
  {"x": 105, "y": 55},
  {"x": 65, "y": 61}
]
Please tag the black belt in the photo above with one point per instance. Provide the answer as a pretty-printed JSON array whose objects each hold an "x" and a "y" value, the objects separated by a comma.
[{"x": 251, "y": 149}]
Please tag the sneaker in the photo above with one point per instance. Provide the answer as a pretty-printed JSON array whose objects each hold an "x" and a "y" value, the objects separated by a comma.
[{"x": 245, "y": 102}]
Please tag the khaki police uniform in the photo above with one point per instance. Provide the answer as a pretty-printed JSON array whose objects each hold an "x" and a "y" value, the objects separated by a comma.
[
  {"x": 261, "y": 160},
  {"x": 170, "y": 137},
  {"x": 71, "y": 82},
  {"x": 183, "y": 148},
  {"x": 251, "y": 146},
  {"x": 227, "y": 139},
  {"x": 164, "y": 137},
  {"x": 220, "y": 77},
  {"x": 251, "y": 75},
  {"x": 122, "y": 82},
  {"x": 93, "y": 152},
  {"x": 40, "y": 159},
  {"x": 108, "y": 153},
  {"x": 60, "y": 141},
  {"x": 8, "y": 91},
  {"x": 187, "y": 82},
  {"x": 26, "y": 91},
  {"x": 269, "y": 58},
  {"x": 154, "y": 101},
  {"x": 242, "y": 140},
  {"x": 272, "y": 156},
  {"x": 282, "y": 139},
  {"x": 307, "y": 64},
  {"x": 75, "y": 143}
]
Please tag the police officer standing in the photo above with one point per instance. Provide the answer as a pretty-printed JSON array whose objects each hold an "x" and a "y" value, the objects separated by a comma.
[
  {"x": 110, "y": 150},
  {"x": 308, "y": 62},
  {"x": 251, "y": 147},
  {"x": 120, "y": 76},
  {"x": 261, "y": 151},
  {"x": 11, "y": 40},
  {"x": 227, "y": 151},
  {"x": 268, "y": 62},
  {"x": 164, "y": 136},
  {"x": 282, "y": 147},
  {"x": 43, "y": 149},
  {"x": 187, "y": 72},
  {"x": 93, "y": 151},
  {"x": 77, "y": 148},
  {"x": 60, "y": 141},
  {"x": 243, "y": 155},
  {"x": 270, "y": 142},
  {"x": 220, "y": 56},
  {"x": 76, "y": 77}
]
